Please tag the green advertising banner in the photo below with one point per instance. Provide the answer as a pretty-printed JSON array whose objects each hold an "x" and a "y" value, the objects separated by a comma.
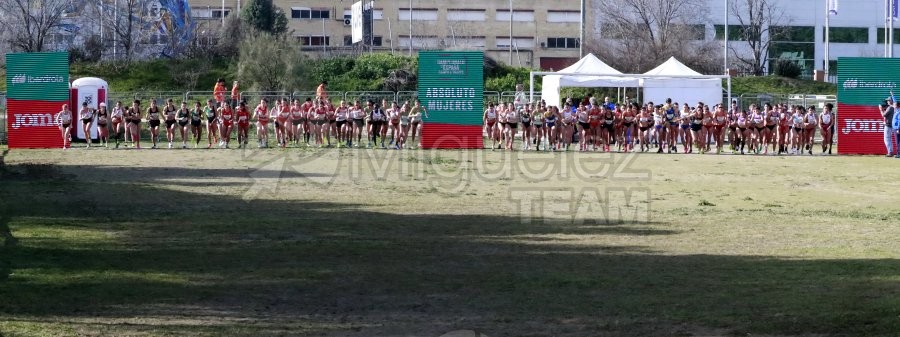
[
  {"x": 38, "y": 76},
  {"x": 451, "y": 86}
]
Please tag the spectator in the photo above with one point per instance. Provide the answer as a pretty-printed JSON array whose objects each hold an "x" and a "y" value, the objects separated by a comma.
[
  {"x": 887, "y": 111},
  {"x": 219, "y": 91},
  {"x": 896, "y": 126},
  {"x": 235, "y": 94},
  {"x": 321, "y": 92}
]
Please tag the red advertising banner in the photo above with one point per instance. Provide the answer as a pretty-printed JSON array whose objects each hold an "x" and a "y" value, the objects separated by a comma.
[
  {"x": 33, "y": 124},
  {"x": 860, "y": 130},
  {"x": 451, "y": 136}
]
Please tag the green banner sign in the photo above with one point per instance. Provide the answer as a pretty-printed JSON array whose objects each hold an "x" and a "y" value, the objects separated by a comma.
[
  {"x": 38, "y": 76},
  {"x": 451, "y": 86},
  {"x": 867, "y": 81}
]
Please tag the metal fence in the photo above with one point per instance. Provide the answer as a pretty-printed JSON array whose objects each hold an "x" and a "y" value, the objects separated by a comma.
[
  {"x": 159, "y": 96},
  {"x": 818, "y": 101},
  {"x": 375, "y": 96},
  {"x": 253, "y": 97}
]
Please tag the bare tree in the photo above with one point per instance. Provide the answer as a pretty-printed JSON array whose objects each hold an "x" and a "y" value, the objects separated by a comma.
[
  {"x": 29, "y": 23},
  {"x": 638, "y": 35},
  {"x": 125, "y": 26},
  {"x": 758, "y": 20}
]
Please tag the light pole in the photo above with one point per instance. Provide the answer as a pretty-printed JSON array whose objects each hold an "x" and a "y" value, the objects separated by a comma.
[
  {"x": 726, "y": 37},
  {"x": 510, "y": 32},
  {"x": 581, "y": 32},
  {"x": 410, "y": 28}
]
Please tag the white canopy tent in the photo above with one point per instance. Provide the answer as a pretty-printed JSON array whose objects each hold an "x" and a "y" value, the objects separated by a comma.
[
  {"x": 672, "y": 79},
  {"x": 589, "y": 72},
  {"x": 683, "y": 88}
]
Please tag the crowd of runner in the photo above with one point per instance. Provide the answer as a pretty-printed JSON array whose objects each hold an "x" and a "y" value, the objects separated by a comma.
[{"x": 588, "y": 124}]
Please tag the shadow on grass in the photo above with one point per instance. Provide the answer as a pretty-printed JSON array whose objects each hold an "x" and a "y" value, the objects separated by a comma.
[{"x": 339, "y": 268}]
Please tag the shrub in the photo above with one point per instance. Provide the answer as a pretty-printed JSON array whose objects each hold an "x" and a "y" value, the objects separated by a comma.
[{"x": 787, "y": 68}]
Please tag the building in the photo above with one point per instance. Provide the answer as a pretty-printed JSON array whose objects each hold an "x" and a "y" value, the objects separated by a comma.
[{"x": 544, "y": 34}]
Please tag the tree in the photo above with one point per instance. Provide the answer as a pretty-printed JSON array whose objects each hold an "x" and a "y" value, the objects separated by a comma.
[
  {"x": 126, "y": 26},
  {"x": 262, "y": 63},
  {"x": 264, "y": 16},
  {"x": 638, "y": 35},
  {"x": 29, "y": 23},
  {"x": 756, "y": 19}
]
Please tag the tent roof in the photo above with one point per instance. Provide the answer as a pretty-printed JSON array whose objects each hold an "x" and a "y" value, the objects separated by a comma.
[
  {"x": 673, "y": 67},
  {"x": 590, "y": 64}
]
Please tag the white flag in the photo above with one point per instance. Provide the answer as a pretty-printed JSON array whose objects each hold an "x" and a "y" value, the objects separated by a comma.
[{"x": 832, "y": 7}]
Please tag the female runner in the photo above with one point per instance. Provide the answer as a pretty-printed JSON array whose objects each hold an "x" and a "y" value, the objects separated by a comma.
[
  {"x": 743, "y": 130},
  {"x": 340, "y": 119},
  {"x": 501, "y": 124},
  {"x": 133, "y": 116},
  {"x": 826, "y": 126},
  {"x": 261, "y": 114},
  {"x": 378, "y": 119},
  {"x": 720, "y": 122},
  {"x": 537, "y": 118},
  {"x": 226, "y": 117},
  {"x": 757, "y": 125},
  {"x": 183, "y": 116},
  {"x": 394, "y": 114},
  {"x": 584, "y": 127},
  {"x": 298, "y": 118},
  {"x": 357, "y": 124},
  {"x": 415, "y": 119},
  {"x": 512, "y": 122},
  {"x": 103, "y": 124},
  {"x": 65, "y": 125},
  {"x": 328, "y": 126},
  {"x": 243, "y": 122},
  {"x": 797, "y": 129},
  {"x": 87, "y": 119},
  {"x": 282, "y": 113},
  {"x": 118, "y": 121},
  {"x": 153, "y": 116},
  {"x": 645, "y": 123},
  {"x": 196, "y": 121},
  {"x": 212, "y": 123},
  {"x": 671, "y": 113},
  {"x": 784, "y": 129},
  {"x": 697, "y": 128},
  {"x": 812, "y": 120},
  {"x": 594, "y": 119},
  {"x": 660, "y": 126},
  {"x": 629, "y": 117},
  {"x": 771, "y": 120},
  {"x": 525, "y": 117},
  {"x": 684, "y": 122},
  {"x": 567, "y": 127},
  {"x": 169, "y": 114},
  {"x": 551, "y": 119},
  {"x": 490, "y": 120}
]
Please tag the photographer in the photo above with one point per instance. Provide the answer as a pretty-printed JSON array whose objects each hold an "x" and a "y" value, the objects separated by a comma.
[
  {"x": 896, "y": 125},
  {"x": 887, "y": 111}
]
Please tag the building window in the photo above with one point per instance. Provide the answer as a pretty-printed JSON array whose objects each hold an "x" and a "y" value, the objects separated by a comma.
[
  {"x": 419, "y": 14},
  {"x": 562, "y": 42},
  {"x": 517, "y": 15},
  {"x": 217, "y": 13},
  {"x": 422, "y": 42},
  {"x": 735, "y": 32},
  {"x": 692, "y": 32},
  {"x": 376, "y": 40},
  {"x": 563, "y": 16},
  {"x": 519, "y": 42},
  {"x": 309, "y": 13},
  {"x": 848, "y": 35},
  {"x": 314, "y": 40},
  {"x": 792, "y": 33},
  {"x": 378, "y": 14},
  {"x": 465, "y": 15},
  {"x": 879, "y": 37}
]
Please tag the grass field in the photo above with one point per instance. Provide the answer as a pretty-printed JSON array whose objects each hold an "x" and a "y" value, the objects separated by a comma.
[{"x": 421, "y": 243}]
